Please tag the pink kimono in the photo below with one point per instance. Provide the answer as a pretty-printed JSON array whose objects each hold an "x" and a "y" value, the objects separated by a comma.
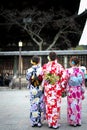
[{"x": 75, "y": 89}]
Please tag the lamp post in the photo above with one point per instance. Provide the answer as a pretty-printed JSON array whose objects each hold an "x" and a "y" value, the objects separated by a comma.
[{"x": 20, "y": 44}]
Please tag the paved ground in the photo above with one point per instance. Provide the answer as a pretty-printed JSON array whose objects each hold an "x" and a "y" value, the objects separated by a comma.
[{"x": 14, "y": 111}]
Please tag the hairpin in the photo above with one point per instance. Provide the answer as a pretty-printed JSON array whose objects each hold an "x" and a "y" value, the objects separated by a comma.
[
  {"x": 73, "y": 62},
  {"x": 33, "y": 63},
  {"x": 48, "y": 58}
]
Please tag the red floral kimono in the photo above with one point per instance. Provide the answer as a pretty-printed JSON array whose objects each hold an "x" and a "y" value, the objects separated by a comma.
[{"x": 54, "y": 78}]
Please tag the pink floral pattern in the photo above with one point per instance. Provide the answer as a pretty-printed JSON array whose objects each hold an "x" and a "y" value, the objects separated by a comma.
[
  {"x": 74, "y": 99},
  {"x": 53, "y": 92}
]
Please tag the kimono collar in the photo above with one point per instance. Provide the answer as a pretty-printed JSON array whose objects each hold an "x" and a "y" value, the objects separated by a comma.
[{"x": 36, "y": 66}]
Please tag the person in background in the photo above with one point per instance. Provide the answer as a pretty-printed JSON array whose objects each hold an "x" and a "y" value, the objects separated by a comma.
[
  {"x": 54, "y": 79},
  {"x": 1, "y": 79},
  {"x": 75, "y": 92},
  {"x": 83, "y": 68},
  {"x": 7, "y": 79},
  {"x": 36, "y": 93}
]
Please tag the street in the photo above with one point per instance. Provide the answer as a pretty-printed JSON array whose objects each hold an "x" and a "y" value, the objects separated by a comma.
[{"x": 14, "y": 111}]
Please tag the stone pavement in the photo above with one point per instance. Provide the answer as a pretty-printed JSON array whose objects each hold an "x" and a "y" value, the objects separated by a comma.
[{"x": 14, "y": 111}]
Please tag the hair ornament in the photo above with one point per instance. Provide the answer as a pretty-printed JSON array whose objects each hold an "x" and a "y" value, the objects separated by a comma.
[
  {"x": 48, "y": 58},
  {"x": 33, "y": 63},
  {"x": 73, "y": 62}
]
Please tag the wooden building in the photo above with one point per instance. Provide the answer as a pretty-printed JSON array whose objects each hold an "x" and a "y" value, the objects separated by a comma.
[{"x": 9, "y": 61}]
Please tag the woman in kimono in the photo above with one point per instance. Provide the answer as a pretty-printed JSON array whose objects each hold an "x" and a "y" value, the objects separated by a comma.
[
  {"x": 54, "y": 78},
  {"x": 36, "y": 93},
  {"x": 75, "y": 92}
]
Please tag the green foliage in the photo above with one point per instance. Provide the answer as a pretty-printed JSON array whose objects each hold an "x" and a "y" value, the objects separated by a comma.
[{"x": 79, "y": 47}]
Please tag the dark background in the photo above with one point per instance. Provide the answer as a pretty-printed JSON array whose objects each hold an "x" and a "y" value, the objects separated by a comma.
[{"x": 16, "y": 34}]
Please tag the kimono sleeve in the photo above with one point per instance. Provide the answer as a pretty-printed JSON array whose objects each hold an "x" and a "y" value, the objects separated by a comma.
[
  {"x": 28, "y": 74},
  {"x": 64, "y": 78}
]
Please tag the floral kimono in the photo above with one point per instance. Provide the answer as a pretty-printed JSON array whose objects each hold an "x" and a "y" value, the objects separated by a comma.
[
  {"x": 54, "y": 78},
  {"x": 36, "y": 98},
  {"x": 75, "y": 89}
]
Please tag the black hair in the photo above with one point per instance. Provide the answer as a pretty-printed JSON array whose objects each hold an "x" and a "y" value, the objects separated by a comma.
[
  {"x": 52, "y": 56},
  {"x": 36, "y": 59}
]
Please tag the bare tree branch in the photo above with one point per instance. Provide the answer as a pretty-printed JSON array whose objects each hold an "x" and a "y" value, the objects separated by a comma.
[
  {"x": 42, "y": 25},
  {"x": 54, "y": 41}
]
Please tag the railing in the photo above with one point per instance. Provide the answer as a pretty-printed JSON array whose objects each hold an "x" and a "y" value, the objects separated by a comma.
[{"x": 40, "y": 53}]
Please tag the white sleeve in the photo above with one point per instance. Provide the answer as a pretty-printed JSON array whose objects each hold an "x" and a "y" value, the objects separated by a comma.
[{"x": 28, "y": 74}]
